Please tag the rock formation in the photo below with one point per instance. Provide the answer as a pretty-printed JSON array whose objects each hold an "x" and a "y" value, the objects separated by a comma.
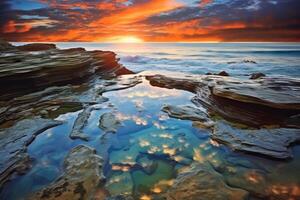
[
  {"x": 188, "y": 113},
  {"x": 257, "y": 75},
  {"x": 202, "y": 183},
  {"x": 109, "y": 123},
  {"x": 80, "y": 122},
  {"x": 38, "y": 80},
  {"x": 82, "y": 175},
  {"x": 269, "y": 108},
  {"x": 37, "y": 66},
  {"x": 14, "y": 142},
  {"x": 269, "y": 142}
]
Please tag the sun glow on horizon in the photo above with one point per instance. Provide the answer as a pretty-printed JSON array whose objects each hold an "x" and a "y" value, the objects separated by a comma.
[{"x": 126, "y": 39}]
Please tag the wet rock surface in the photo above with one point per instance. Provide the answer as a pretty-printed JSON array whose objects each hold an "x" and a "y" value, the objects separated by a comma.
[
  {"x": 222, "y": 73},
  {"x": 14, "y": 142},
  {"x": 151, "y": 155},
  {"x": 80, "y": 122},
  {"x": 267, "y": 101},
  {"x": 36, "y": 47},
  {"x": 269, "y": 142},
  {"x": 37, "y": 66},
  {"x": 257, "y": 75},
  {"x": 108, "y": 122},
  {"x": 202, "y": 182},
  {"x": 188, "y": 113},
  {"x": 39, "y": 80},
  {"x": 82, "y": 175},
  {"x": 120, "y": 83},
  {"x": 268, "y": 105}
]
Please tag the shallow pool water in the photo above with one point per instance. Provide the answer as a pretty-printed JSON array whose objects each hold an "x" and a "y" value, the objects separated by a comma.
[{"x": 148, "y": 149}]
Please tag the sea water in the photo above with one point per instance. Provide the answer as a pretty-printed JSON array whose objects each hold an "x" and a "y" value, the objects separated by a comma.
[
  {"x": 145, "y": 154},
  {"x": 238, "y": 59}
]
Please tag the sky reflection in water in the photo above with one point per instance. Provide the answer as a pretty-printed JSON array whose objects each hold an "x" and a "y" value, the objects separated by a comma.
[{"x": 147, "y": 151}]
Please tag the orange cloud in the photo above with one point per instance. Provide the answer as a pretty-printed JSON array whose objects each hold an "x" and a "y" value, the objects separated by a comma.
[
  {"x": 148, "y": 20},
  {"x": 203, "y": 3},
  {"x": 12, "y": 27},
  {"x": 137, "y": 12}
]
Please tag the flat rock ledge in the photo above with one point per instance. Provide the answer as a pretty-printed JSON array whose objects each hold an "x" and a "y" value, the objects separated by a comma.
[
  {"x": 187, "y": 112},
  {"x": 202, "y": 183},
  {"x": 268, "y": 142},
  {"x": 82, "y": 175},
  {"x": 80, "y": 123},
  {"x": 109, "y": 122},
  {"x": 255, "y": 103},
  {"x": 268, "y": 109},
  {"x": 14, "y": 142},
  {"x": 37, "y": 66}
]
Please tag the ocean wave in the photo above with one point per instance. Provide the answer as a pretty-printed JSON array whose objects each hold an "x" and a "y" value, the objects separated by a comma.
[
  {"x": 267, "y": 51},
  {"x": 164, "y": 54},
  {"x": 147, "y": 60},
  {"x": 135, "y": 59}
]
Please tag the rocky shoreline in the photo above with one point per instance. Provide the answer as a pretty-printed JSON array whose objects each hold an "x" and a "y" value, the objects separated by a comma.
[
  {"x": 37, "y": 66},
  {"x": 264, "y": 113},
  {"x": 39, "y": 82}
]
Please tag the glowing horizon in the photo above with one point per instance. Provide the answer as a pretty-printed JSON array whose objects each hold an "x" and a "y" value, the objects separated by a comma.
[
  {"x": 124, "y": 39},
  {"x": 131, "y": 21}
]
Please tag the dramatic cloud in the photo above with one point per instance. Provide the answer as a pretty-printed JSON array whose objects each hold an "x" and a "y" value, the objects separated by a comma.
[{"x": 150, "y": 20}]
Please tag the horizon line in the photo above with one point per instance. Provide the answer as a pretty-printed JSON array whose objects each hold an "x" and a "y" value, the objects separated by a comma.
[{"x": 151, "y": 42}]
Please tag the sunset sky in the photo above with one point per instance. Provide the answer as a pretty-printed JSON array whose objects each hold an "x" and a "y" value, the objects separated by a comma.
[{"x": 150, "y": 20}]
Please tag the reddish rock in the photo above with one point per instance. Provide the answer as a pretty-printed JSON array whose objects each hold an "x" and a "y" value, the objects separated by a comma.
[{"x": 36, "y": 47}]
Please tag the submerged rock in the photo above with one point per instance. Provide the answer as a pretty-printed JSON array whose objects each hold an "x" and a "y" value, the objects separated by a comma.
[
  {"x": 120, "y": 183},
  {"x": 109, "y": 122},
  {"x": 269, "y": 142},
  {"x": 80, "y": 123},
  {"x": 14, "y": 142},
  {"x": 189, "y": 113},
  {"x": 81, "y": 179},
  {"x": 201, "y": 183},
  {"x": 243, "y": 61},
  {"x": 250, "y": 61},
  {"x": 257, "y": 75},
  {"x": 223, "y": 73}
]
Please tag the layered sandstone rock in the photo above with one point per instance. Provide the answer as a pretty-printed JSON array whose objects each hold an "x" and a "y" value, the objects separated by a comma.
[
  {"x": 32, "y": 67},
  {"x": 267, "y": 109}
]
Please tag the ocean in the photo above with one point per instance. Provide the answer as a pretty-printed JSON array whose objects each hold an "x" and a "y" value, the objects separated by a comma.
[{"x": 238, "y": 59}]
